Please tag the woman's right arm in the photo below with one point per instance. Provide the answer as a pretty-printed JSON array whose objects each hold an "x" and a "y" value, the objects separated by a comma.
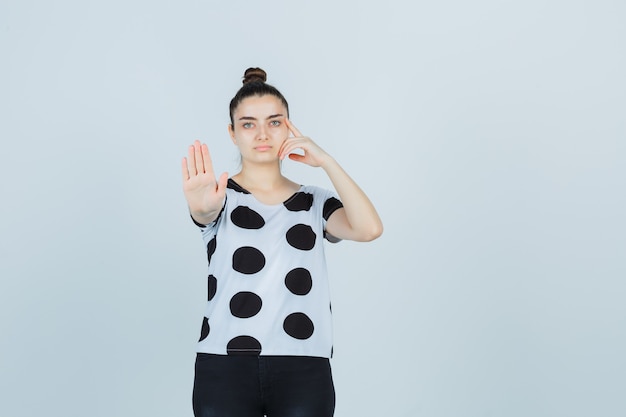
[{"x": 204, "y": 194}]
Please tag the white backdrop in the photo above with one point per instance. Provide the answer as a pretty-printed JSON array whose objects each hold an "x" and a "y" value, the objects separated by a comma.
[{"x": 489, "y": 134}]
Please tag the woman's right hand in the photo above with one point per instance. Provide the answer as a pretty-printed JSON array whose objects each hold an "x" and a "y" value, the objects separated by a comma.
[{"x": 204, "y": 194}]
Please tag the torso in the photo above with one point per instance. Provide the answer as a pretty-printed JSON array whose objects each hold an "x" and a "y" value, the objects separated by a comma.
[{"x": 267, "y": 285}]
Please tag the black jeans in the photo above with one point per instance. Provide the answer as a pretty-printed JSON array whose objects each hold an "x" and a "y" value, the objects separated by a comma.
[{"x": 256, "y": 386}]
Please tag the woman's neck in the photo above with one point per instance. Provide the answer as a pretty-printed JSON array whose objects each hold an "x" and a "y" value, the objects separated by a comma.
[
  {"x": 260, "y": 177},
  {"x": 268, "y": 186}
]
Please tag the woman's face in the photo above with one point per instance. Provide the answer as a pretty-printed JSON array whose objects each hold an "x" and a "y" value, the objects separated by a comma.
[{"x": 259, "y": 128}]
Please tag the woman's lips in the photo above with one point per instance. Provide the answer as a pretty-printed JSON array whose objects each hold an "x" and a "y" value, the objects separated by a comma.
[{"x": 263, "y": 148}]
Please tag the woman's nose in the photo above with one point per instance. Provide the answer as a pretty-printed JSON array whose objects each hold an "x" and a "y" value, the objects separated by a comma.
[{"x": 262, "y": 133}]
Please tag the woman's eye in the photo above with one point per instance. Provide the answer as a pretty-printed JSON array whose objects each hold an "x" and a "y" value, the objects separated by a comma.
[
  {"x": 275, "y": 122},
  {"x": 247, "y": 125}
]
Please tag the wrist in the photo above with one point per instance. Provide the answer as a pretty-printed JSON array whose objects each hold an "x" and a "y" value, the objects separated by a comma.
[
  {"x": 203, "y": 217},
  {"x": 328, "y": 162}
]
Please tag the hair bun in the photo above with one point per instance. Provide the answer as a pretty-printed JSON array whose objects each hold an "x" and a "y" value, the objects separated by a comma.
[{"x": 254, "y": 75}]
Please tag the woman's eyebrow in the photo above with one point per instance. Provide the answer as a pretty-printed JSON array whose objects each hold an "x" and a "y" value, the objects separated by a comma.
[{"x": 273, "y": 116}]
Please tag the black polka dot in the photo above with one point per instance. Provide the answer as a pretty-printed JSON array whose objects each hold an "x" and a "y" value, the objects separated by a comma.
[
  {"x": 205, "y": 329},
  {"x": 299, "y": 202},
  {"x": 210, "y": 248},
  {"x": 301, "y": 236},
  {"x": 247, "y": 218},
  {"x": 330, "y": 206},
  {"x": 298, "y": 326},
  {"x": 243, "y": 345},
  {"x": 234, "y": 186},
  {"x": 248, "y": 260},
  {"x": 212, "y": 287},
  {"x": 299, "y": 281},
  {"x": 245, "y": 304}
]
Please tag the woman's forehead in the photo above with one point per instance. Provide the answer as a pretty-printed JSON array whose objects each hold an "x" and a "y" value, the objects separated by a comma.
[{"x": 260, "y": 107}]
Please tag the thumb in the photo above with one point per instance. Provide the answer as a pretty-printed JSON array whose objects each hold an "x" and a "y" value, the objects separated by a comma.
[
  {"x": 221, "y": 184},
  {"x": 296, "y": 157}
]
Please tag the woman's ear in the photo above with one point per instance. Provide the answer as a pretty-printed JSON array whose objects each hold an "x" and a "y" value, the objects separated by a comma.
[{"x": 231, "y": 132}]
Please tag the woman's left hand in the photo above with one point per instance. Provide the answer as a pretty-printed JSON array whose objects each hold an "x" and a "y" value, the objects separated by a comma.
[
  {"x": 313, "y": 154},
  {"x": 357, "y": 219}
]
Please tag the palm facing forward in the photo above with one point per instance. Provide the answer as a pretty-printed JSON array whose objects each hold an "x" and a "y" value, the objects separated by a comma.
[{"x": 204, "y": 194}]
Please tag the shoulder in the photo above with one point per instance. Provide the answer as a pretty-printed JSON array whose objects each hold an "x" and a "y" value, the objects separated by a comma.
[
  {"x": 315, "y": 190},
  {"x": 317, "y": 194},
  {"x": 327, "y": 200},
  {"x": 233, "y": 187}
]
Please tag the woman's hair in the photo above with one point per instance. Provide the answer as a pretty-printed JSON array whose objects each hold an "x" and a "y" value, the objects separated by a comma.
[{"x": 254, "y": 85}]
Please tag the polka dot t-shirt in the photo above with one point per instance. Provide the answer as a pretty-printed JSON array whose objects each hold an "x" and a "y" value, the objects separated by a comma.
[{"x": 267, "y": 284}]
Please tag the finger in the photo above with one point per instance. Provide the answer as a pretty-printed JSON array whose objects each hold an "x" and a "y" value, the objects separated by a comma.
[
  {"x": 287, "y": 146},
  {"x": 283, "y": 146},
  {"x": 296, "y": 157},
  {"x": 191, "y": 162},
  {"x": 185, "y": 170},
  {"x": 294, "y": 151},
  {"x": 206, "y": 157},
  {"x": 198, "y": 155},
  {"x": 292, "y": 145},
  {"x": 223, "y": 181},
  {"x": 292, "y": 128}
]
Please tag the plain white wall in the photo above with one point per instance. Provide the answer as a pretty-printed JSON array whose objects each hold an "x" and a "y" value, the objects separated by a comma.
[{"x": 490, "y": 135}]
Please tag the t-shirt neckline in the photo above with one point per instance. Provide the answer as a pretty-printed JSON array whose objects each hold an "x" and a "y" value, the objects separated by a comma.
[{"x": 234, "y": 185}]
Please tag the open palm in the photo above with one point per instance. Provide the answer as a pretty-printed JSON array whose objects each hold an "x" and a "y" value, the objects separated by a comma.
[{"x": 204, "y": 194}]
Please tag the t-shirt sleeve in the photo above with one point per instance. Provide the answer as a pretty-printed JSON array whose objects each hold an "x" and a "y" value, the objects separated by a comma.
[
  {"x": 331, "y": 203},
  {"x": 209, "y": 230}
]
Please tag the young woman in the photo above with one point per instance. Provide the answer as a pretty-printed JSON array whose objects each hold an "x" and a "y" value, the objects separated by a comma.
[{"x": 266, "y": 337}]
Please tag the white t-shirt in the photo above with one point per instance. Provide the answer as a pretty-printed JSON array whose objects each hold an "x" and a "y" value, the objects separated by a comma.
[{"x": 267, "y": 286}]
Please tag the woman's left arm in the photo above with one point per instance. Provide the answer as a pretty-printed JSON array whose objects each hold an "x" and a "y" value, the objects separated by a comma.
[{"x": 358, "y": 219}]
